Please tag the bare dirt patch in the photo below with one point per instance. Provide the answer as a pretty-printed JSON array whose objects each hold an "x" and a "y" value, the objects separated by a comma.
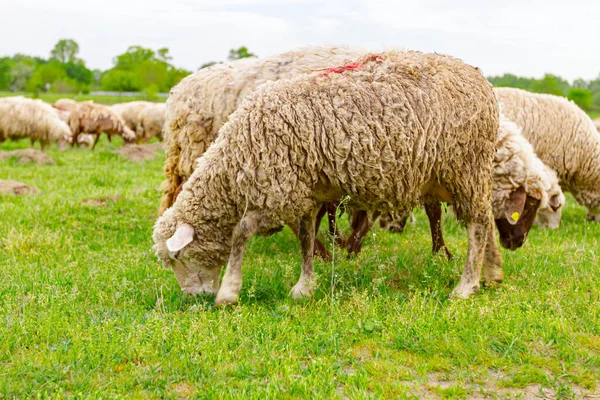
[
  {"x": 15, "y": 188},
  {"x": 101, "y": 201},
  {"x": 28, "y": 156},
  {"x": 140, "y": 152}
]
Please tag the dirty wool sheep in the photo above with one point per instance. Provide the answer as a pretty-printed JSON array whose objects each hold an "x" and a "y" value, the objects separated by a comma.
[
  {"x": 375, "y": 130},
  {"x": 523, "y": 187},
  {"x": 564, "y": 138},
  {"x": 151, "y": 121},
  {"x": 21, "y": 117},
  {"x": 201, "y": 103},
  {"x": 96, "y": 118}
]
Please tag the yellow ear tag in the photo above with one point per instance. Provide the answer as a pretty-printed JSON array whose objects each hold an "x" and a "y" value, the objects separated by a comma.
[{"x": 515, "y": 216}]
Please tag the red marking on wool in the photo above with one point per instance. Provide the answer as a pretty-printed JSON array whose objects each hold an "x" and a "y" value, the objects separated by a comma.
[{"x": 340, "y": 70}]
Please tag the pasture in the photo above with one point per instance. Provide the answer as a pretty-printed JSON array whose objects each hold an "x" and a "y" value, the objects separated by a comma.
[{"x": 87, "y": 310}]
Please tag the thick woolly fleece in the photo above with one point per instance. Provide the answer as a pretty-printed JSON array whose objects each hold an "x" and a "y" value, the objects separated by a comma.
[
  {"x": 201, "y": 103},
  {"x": 21, "y": 117},
  {"x": 381, "y": 130},
  {"x": 516, "y": 165},
  {"x": 563, "y": 137},
  {"x": 98, "y": 118},
  {"x": 151, "y": 121}
]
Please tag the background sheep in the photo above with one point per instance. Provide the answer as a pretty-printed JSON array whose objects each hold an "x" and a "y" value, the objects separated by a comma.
[
  {"x": 151, "y": 121},
  {"x": 564, "y": 137},
  {"x": 95, "y": 119},
  {"x": 21, "y": 117},
  {"x": 597, "y": 123},
  {"x": 201, "y": 103},
  {"x": 522, "y": 184},
  {"x": 131, "y": 112},
  {"x": 68, "y": 104},
  {"x": 375, "y": 130}
]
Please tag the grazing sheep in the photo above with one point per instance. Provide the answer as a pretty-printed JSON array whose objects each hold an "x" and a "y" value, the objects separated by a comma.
[
  {"x": 69, "y": 104},
  {"x": 21, "y": 117},
  {"x": 95, "y": 119},
  {"x": 131, "y": 112},
  {"x": 389, "y": 130},
  {"x": 151, "y": 121},
  {"x": 523, "y": 187},
  {"x": 564, "y": 138},
  {"x": 201, "y": 103}
]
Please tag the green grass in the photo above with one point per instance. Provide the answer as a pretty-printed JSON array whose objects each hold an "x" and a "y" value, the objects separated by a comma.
[
  {"x": 52, "y": 97},
  {"x": 87, "y": 310}
]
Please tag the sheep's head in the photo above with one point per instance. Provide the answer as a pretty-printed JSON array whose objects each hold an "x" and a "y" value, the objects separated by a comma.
[
  {"x": 127, "y": 133},
  {"x": 515, "y": 218},
  {"x": 549, "y": 216},
  {"x": 196, "y": 255}
]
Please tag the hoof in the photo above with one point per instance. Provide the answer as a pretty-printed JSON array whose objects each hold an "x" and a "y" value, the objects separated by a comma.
[
  {"x": 463, "y": 291},
  {"x": 301, "y": 290},
  {"x": 226, "y": 299}
]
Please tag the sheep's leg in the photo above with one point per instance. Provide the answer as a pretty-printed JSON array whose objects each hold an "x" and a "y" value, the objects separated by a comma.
[
  {"x": 492, "y": 263},
  {"x": 361, "y": 224},
  {"x": 232, "y": 279},
  {"x": 320, "y": 249},
  {"x": 96, "y": 141},
  {"x": 306, "y": 234},
  {"x": 434, "y": 213},
  {"x": 44, "y": 144},
  {"x": 32, "y": 140},
  {"x": 109, "y": 138},
  {"x": 479, "y": 233}
]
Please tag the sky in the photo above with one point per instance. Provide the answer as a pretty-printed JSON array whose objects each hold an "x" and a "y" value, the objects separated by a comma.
[{"x": 523, "y": 37}]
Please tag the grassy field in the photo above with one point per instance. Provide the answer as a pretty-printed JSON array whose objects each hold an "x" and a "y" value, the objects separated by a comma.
[
  {"x": 87, "y": 310},
  {"x": 52, "y": 97}
]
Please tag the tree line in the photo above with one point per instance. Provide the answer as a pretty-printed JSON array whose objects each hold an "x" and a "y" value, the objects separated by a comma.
[
  {"x": 141, "y": 69},
  {"x": 586, "y": 94},
  {"x": 138, "y": 69}
]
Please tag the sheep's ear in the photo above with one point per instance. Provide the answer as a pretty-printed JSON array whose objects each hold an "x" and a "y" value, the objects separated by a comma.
[
  {"x": 555, "y": 202},
  {"x": 515, "y": 206},
  {"x": 182, "y": 237}
]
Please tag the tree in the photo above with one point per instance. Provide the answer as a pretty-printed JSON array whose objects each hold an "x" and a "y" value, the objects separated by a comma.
[
  {"x": 163, "y": 54},
  {"x": 548, "y": 84},
  {"x": 44, "y": 74},
  {"x": 20, "y": 74},
  {"x": 119, "y": 80},
  {"x": 6, "y": 65},
  {"x": 581, "y": 97},
  {"x": 208, "y": 64},
  {"x": 64, "y": 51},
  {"x": 79, "y": 72},
  {"x": 133, "y": 57},
  {"x": 242, "y": 52},
  {"x": 581, "y": 83}
]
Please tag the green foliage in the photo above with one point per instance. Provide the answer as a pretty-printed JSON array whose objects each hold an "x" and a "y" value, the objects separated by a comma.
[
  {"x": 119, "y": 80},
  {"x": 581, "y": 97},
  {"x": 78, "y": 71},
  {"x": 208, "y": 64},
  {"x": 242, "y": 52},
  {"x": 6, "y": 64},
  {"x": 65, "y": 51},
  {"x": 548, "y": 84},
  {"x": 20, "y": 74}
]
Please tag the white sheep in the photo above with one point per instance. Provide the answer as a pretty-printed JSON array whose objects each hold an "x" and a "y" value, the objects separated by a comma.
[
  {"x": 375, "y": 129},
  {"x": 21, "y": 117},
  {"x": 563, "y": 137},
  {"x": 151, "y": 121}
]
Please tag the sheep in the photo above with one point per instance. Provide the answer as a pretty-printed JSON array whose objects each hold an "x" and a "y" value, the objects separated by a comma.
[
  {"x": 389, "y": 130},
  {"x": 564, "y": 138},
  {"x": 200, "y": 104},
  {"x": 22, "y": 117},
  {"x": 151, "y": 121},
  {"x": 523, "y": 187},
  {"x": 95, "y": 119},
  {"x": 131, "y": 112},
  {"x": 68, "y": 104},
  {"x": 597, "y": 123}
]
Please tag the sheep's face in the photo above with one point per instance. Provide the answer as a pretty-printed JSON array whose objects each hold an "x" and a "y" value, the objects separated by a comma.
[
  {"x": 549, "y": 216},
  {"x": 593, "y": 215},
  {"x": 519, "y": 212},
  {"x": 196, "y": 257}
]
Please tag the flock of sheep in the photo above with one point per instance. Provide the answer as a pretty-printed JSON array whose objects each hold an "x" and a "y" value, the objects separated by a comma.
[
  {"x": 255, "y": 144},
  {"x": 68, "y": 121}
]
